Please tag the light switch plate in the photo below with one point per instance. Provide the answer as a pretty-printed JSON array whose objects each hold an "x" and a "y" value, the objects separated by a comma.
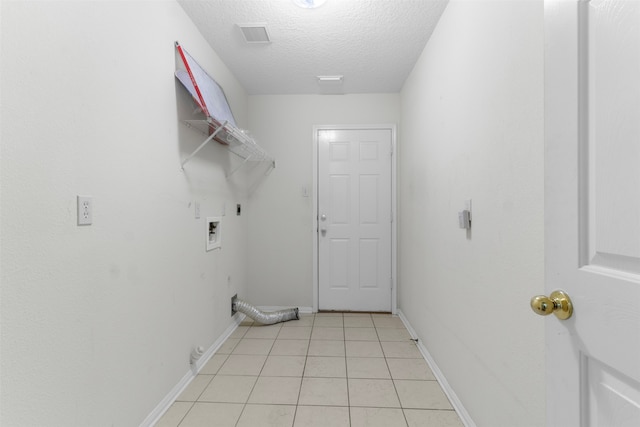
[{"x": 196, "y": 209}]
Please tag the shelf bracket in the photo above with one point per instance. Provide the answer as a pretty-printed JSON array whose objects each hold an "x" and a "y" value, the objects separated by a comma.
[
  {"x": 246, "y": 159},
  {"x": 206, "y": 141}
]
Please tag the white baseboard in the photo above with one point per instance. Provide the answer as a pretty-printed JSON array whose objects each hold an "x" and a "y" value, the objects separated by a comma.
[
  {"x": 168, "y": 400},
  {"x": 453, "y": 398}
]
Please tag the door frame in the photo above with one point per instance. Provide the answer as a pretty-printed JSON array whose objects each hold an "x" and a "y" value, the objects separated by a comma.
[{"x": 394, "y": 216}]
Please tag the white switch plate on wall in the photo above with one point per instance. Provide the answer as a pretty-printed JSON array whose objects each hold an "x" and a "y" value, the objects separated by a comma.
[
  {"x": 85, "y": 210},
  {"x": 196, "y": 209}
]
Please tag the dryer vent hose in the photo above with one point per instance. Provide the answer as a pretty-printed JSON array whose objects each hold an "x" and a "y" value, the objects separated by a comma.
[{"x": 265, "y": 318}]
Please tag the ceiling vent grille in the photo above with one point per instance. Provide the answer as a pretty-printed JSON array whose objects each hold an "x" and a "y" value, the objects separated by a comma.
[{"x": 255, "y": 33}]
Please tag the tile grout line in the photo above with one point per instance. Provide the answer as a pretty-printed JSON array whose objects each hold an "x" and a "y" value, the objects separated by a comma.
[
  {"x": 186, "y": 413},
  {"x": 346, "y": 370},
  {"x": 244, "y": 405},
  {"x": 295, "y": 411}
]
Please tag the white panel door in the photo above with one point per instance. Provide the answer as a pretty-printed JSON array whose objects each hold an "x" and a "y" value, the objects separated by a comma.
[
  {"x": 354, "y": 219},
  {"x": 592, "y": 210}
]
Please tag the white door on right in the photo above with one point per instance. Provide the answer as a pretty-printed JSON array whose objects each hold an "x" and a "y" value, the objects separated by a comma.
[{"x": 592, "y": 210}]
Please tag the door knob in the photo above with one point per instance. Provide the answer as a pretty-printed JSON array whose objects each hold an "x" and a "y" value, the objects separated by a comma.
[
  {"x": 557, "y": 303},
  {"x": 323, "y": 217}
]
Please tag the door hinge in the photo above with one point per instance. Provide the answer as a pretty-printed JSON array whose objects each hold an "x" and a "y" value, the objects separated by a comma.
[{"x": 391, "y": 283}]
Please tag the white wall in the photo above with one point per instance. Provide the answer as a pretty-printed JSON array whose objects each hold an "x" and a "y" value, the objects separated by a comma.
[
  {"x": 98, "y": 322},
  {"x": 280, "y": 218},
  {"x": 472, "y": 128}
]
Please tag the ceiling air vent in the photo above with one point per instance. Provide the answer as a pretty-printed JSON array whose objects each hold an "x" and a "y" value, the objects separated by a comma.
[
  {"x": 255, "y": 33},
  {"x": 330, "y": 85}
]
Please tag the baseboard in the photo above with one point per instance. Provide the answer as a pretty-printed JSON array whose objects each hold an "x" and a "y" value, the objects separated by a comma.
[
  {"x": 302, "y": 310},
  {"x": 168, "y": 400},
  {"x": 453, "y": 398}
]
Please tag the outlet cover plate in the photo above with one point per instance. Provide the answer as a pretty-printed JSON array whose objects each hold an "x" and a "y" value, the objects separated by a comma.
[{"x": 85, "y": 210}]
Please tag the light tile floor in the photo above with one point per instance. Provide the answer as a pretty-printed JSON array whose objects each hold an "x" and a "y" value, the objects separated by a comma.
[{"x": 326, "y": 370}]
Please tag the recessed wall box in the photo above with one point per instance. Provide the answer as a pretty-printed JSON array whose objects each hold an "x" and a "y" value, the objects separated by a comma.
[{"x": 214, "y": 236}]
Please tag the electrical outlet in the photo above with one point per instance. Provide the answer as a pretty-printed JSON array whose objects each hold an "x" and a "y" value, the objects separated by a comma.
[
  {"x": 85, "y": 210},
  {"x": 197, "y": 209}
]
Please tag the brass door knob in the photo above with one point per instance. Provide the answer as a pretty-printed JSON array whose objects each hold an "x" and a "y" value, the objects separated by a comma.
[{"x": 557, "y": 303}]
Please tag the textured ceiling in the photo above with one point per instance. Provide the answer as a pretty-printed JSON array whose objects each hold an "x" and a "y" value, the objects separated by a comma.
[{"x": 373, "y": 43}]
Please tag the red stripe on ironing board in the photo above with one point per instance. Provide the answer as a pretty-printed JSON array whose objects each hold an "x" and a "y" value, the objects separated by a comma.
[{"x": 193, "y": 80}]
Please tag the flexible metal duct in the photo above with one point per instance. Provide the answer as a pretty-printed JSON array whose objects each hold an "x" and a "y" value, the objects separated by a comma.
[{"x": 265, "y": 318}]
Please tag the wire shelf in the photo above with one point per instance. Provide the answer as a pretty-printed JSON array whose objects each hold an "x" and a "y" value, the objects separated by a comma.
[{"x": 237, "y": 141}]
